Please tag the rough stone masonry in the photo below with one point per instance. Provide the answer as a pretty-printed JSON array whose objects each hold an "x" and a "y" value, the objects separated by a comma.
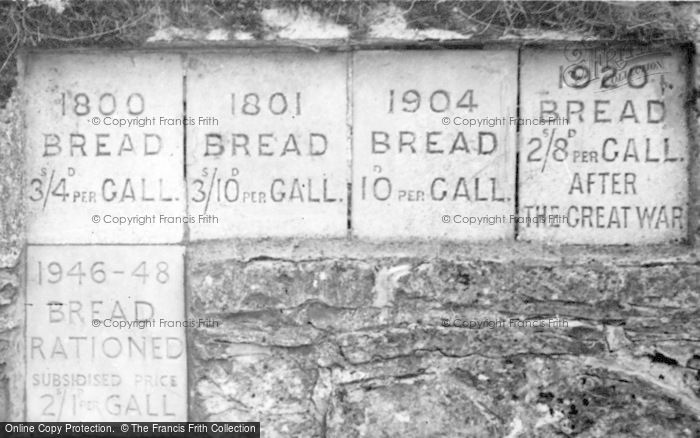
[{"x": 341, "y": 327}]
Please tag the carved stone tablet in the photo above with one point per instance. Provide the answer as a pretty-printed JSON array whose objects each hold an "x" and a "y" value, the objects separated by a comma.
[
  {"x": 105, "y": 333},
  {"x": 104, "y": 148},
  {"x": 611, "y": 165},
  {"x": 433, "y": 147},
  {"x": 267, "y": 151}
]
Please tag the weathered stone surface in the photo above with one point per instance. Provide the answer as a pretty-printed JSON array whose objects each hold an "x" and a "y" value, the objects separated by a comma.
[
  {"x": 11, "y": 169},
  {"x": 11, "y": 343},
  {"x": 519, "y": 395},
  {"x": 385, "y": 364},
  {"x": 611, "y": 167},
  {"x": 252, "y": 383},
  {"x": 422, "y": 161},
  {"x": 253, "y": 286}
]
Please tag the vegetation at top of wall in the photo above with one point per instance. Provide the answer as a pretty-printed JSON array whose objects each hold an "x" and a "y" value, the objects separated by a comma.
[
  {"x": 644, "y": 22},
  {"x": 640, "y": 21},
  {"x": 120, "y": 23},
  {"x": 111, "y": 23}
]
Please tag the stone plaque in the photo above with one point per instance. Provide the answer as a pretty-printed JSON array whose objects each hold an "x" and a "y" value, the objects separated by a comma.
[
  {"x": 605, "y": 157},
  {"x": 104, "y": 147},
  {"x": 105, "y": 334},
  {"x": 433, "y": 144},
  {"x": 267, "y": 151}
]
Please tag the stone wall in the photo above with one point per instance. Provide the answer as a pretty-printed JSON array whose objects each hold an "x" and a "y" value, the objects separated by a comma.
[{"x": 346, "y": 337}]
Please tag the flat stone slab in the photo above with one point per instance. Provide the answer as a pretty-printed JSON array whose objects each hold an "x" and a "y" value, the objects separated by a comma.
[
  {"x": 433, "y": 147},
  {"x": 612, "y": 165},
  {"x": 104, "y": 334},
  {"x": 104, "y": 143},
  {"x": 267, "y": 151}
]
